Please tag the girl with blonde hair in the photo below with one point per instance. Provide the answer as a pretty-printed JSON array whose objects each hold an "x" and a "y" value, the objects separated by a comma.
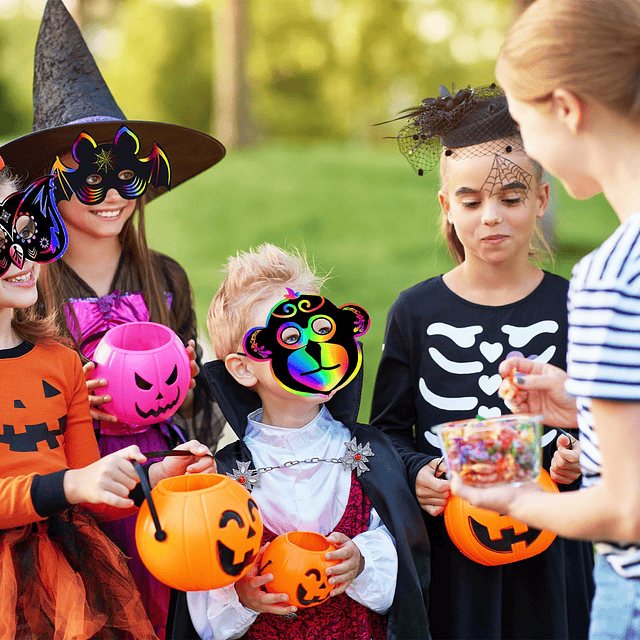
[{"x": 571, "y": 73}]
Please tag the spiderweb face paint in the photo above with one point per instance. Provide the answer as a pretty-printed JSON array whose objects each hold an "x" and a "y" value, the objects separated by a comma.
[{"x": 505, "y": 173}]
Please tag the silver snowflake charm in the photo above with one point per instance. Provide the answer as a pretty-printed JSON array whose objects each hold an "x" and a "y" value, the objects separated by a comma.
[
  {"x": 357, "y": 456},
  {"x": 248, "y": 478}
]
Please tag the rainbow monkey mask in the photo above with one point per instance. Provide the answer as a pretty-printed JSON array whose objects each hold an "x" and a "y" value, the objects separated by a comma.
[
  {"x": 110, "y": 166},
  {"x": 310, "y": 343}
]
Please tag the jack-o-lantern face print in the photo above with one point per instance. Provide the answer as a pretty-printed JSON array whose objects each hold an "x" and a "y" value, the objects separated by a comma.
[
  {"x": 241, "y": 548},
  {"x": 492, "y": 539},
  {"x": 310, "y": 343},
  {"x": 21, "y": 429},
  {"x": 147, "y": 371},
  {"x": 315, "y": 590}
]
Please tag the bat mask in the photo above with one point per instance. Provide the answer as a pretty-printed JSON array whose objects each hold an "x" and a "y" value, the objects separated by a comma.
[
  {"x": 110, "y": 166},
  {"x": 30, "y": 226}
]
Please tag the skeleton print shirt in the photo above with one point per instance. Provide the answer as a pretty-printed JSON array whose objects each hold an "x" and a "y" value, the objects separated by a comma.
[{"x": 441, "y": 354}]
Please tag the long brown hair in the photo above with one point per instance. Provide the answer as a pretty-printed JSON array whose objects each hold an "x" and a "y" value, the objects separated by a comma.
[{"x": 56, "y": 281}]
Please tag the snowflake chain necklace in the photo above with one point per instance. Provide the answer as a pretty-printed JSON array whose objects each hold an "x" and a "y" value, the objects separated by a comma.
[{"x": 355, "y": 458}]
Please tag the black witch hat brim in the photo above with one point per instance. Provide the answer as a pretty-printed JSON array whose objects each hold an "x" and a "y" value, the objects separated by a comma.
[
  {"x": 190, "y": 152},
  {"x": 71, "y": 96}
]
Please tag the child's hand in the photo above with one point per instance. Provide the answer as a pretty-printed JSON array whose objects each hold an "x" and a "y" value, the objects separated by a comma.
[
  {"x": 565, "y": 466},
  {"x": 186, "y": 408},
  {"x": 251, "y": 595},
  {"x": 106, "y": 481},
  {"x": 95, "y": 401},
  {"x": 352, "y": 564},
  {"x": 195, "y": 369},
  {"x": 200, "y": 462},
  {"x": 432, "y": 492}
]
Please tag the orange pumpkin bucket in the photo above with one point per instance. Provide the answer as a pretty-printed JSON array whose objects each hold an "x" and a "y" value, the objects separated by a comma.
[
  {"x": 491, "y": 539},
  {"x": 198, "y": 532},
  {"x": 297, "y": 562}
]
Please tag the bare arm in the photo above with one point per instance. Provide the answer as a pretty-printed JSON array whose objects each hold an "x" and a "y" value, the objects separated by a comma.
[{"x": 608, "y": 511}]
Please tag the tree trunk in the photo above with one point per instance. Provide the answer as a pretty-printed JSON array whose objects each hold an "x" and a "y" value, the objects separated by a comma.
[{"x": 232, "y": 118}]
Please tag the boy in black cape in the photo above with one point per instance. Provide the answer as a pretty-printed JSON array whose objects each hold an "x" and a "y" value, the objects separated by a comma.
[{"x": 310, "y": 465}]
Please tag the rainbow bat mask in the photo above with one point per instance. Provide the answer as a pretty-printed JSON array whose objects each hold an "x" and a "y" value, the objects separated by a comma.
[
  {"x": 110, "y": 166},
  {"x": 310, "y": 343}
]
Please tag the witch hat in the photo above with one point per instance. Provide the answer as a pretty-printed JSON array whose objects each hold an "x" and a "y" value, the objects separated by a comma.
[{"x": 71, "y": 96}]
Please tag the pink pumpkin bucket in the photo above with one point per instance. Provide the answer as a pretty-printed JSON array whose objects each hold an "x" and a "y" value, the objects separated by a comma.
[{"x": 147, "y": 371}]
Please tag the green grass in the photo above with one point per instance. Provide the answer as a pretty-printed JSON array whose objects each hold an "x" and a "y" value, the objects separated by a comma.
[{"x": 359, "y": 212}]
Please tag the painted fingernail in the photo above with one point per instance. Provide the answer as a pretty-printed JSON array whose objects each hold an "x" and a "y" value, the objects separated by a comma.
[{"x": 519, "y": 378}]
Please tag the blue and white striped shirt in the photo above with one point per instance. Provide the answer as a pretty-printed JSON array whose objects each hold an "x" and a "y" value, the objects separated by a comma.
[{"x": 603, "y": 359}]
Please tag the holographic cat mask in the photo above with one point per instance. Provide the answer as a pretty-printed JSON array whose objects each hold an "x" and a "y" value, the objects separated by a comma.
[
  {"x": 30, "y": 226},
  {"x": 110, "y": 166},
  {"x": 310, "y": 343}
]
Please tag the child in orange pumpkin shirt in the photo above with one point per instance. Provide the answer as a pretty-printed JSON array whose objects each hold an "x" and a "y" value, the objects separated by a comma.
[{"x": 60, "y": 576}]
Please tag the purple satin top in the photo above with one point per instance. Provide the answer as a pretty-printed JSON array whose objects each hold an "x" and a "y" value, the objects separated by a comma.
[{"x": 93, "y": 318}]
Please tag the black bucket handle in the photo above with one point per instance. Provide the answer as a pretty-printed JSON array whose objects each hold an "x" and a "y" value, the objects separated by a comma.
[{"x": 160, "y": 534}]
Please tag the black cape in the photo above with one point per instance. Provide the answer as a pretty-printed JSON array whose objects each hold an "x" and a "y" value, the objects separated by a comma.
[{"x": 385, "y": 485}]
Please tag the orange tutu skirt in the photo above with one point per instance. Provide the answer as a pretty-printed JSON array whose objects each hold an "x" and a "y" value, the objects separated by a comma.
[{"x": 63, "y": 579}]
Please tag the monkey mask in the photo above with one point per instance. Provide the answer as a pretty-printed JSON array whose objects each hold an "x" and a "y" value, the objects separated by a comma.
[{"x": 310, "y": 343}]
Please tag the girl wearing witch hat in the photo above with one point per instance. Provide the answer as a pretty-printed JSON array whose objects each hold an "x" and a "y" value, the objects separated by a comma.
[
  {"x": 443, "y": 342},
  {"x": 107, "y": 168}
]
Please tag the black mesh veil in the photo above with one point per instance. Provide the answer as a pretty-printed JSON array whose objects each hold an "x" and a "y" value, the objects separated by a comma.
[{"x": 462, "y": 124}]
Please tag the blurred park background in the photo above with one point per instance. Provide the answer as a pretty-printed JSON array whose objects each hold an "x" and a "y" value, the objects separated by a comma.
[{"x": 292, "y": 88}]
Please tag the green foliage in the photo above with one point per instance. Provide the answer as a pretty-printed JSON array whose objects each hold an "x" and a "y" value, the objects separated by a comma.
[
  {"x": 361, "y": 213},
  {"x": 164, "y": 71},
  {"x": 17, "y": 42}
]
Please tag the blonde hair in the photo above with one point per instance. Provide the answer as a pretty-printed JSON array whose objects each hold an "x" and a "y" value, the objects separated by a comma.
[
  {"x": 252, "y": 277},
  {"x": 538, "y": 248},
  {"x": 588, "y": 47}
]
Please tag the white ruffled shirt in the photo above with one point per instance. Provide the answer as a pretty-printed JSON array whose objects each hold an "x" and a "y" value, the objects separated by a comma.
[{"x": 303, "y": 497}]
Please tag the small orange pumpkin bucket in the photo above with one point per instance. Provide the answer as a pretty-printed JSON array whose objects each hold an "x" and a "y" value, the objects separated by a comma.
[
  {"x": 198, "y": 532},
  {"x": 299, "y": 567}
]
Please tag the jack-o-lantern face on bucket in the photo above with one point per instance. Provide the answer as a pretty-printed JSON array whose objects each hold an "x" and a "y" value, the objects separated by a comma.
[
  {"x": 492, "y": 539},
  {"x": 317, "y": 589},
  {"x": 147, "y": 371},
  {"x": 233, "y": 529},
  {"x": 213, "y": 531},
  {"x": 299, "y": 567}
]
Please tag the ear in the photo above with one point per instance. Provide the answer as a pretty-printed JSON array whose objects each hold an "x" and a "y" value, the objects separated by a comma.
[
  {"x": 568, "y": 109},
  {"x": 240, "y": 369},
  {"x": 361, "y": 320},
  {"x": 127, "y": 140},
  {"x": 542, "y": 199},
  {"x": 445, "y": 205},
  {"x": 84, "y": 147},
  {"x": 253, "y": 346}
]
